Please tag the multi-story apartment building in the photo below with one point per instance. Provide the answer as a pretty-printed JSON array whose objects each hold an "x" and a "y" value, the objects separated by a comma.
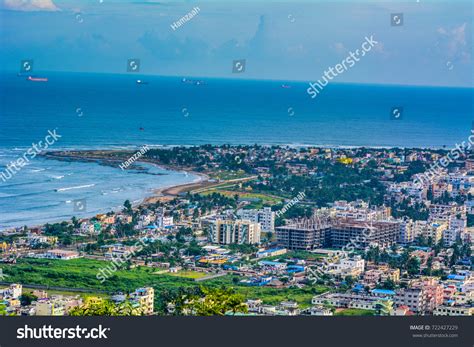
[
  {"x": 407, "y": 232},
  {"x": 305, "y": 234},
  {"x": 316, "y": 232},
  {"x": 455, "y": 310},
  {"x": 144, "y": 298},
  {"x": 435, "y": 231},
  {"x": 226, "y": 231},
  {"x": 439, "y": 212},
  {"x": 413, "y": 298},
  {"x": 423, "y": 297},
  {"x": 359, "y": 210},
  {"x": 361, "y": 234},
  {"x": 433, "y": 293},
  {"x": 265, "y": 216}
]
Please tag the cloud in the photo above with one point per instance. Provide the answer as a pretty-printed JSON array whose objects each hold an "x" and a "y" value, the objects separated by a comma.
[
  {"x": 454, "y": 43},
  {"x": 339, "y": 47},
  {"x": 30, "y": 5}
]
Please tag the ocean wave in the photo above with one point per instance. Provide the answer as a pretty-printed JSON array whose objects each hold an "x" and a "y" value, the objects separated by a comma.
[
  {"x": 76, "y": 187},
  {"x": 58, "y": 177}
]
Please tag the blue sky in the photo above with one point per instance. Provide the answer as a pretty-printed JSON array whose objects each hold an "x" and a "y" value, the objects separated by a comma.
[{"x": 280, "y": 40}]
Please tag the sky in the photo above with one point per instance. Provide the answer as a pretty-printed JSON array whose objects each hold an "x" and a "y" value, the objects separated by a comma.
[{"x": 292, "y": 40}]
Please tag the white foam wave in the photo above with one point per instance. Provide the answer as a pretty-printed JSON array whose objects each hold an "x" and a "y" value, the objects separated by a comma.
[{"x": 76, "y": 187}]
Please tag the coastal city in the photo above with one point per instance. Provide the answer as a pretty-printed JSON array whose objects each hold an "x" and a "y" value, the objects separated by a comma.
[{"x": 267, "y": 230}]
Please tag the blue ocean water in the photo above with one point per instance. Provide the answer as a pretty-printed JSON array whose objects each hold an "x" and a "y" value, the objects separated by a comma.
[
  {"x": 113, "y": 111},
  {"x": 114, "y": 107}
]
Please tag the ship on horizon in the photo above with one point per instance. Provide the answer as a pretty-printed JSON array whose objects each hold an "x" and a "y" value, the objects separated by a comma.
[
  {"x": 191, "y": 81},
  {"x": 37, "y": 79}
]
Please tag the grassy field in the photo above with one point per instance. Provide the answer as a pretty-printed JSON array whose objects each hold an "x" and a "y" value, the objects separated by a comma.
[
  {"x": 263, "y": 198},
  {"x": 354, "y": 312},
  {"x": 228, "y": 175},
  {"x": 81, "y": 273},
  {"x": 189, "y": 274}
]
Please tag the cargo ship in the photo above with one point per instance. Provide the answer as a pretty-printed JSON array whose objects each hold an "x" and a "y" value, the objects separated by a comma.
[{"x": 37, "y": 79}]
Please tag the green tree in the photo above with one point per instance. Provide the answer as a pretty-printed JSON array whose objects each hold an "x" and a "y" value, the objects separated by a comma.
[
  {"x": 27, "y": 298},
  {"x": 413, "y": 266},
  {"x": 94, "y": 306},
  {"x": 213, "y": 302},
  {"x": 127, "y": 207}
]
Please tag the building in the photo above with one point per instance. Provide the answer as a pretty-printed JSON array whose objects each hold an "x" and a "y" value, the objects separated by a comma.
[
  {"x": 224, "y": 231},
  {"x": 305, "y": 234},
  {"x": 407, "y": 232},
  {"x": 45, "y": 307},
  {"x": 360, "y": 234},
  {"x": 455, "y": 310},
  {"x": 61, "y": 254},
  {"x": 13, "y": 291},
  {"x": 352, "y": 300},
  {"x": 164, "y": 222},
  {"x": 412, "y": 298},
  {"x": 347, "y": 267},
  {"x": 433, "y": 293},
  {"x": 265, "y": 216},
  {"x": 359, "y": 210},
  {"x": 271, "y": 252},
  {"x": 144, "y": 300}
]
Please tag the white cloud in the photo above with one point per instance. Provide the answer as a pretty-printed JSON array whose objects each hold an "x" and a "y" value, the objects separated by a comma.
[
  {"x": 339, "y": 47},
  {"x": 30, "y": 5},
  {"x": 453, "y": 42}
]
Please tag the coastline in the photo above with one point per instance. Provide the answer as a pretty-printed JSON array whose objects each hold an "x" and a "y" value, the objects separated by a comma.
[
  {"x": 151, "y": 196},
  {"x": 171, "y": 191}
]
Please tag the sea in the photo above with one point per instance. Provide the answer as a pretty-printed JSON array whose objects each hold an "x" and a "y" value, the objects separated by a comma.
[{"x": 108, "y": 111}]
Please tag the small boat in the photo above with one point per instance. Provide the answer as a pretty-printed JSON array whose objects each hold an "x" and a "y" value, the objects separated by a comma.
[
  {"x": 191, "y": 81},
  {"x": 286, "y": 86},
  {"x": 37, "y": 79},
  {"x": 141, "y": 82}
]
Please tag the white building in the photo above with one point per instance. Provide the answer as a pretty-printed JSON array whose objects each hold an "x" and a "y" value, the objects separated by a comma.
[
  {"x": 265, "y": 216},
  {"x": 224, "y": 231},
  {"x": 347, "y": 267},
  {"x": 163, "y": 222}
]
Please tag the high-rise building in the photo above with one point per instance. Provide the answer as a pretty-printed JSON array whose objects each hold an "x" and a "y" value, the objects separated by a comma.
[
  {"x": 360, "y": 234},
  {"x": 265, "y": 216},
  {"x": 319, "y": 232},
  {"x": 305, "y": 234},
  {"x": 226, "y": 231}
]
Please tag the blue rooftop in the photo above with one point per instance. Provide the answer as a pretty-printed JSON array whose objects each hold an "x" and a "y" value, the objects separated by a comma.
[
  {"x": 456, "y": 277},
  {"x": 383, "y": 291},
  {"x": 271, "y": 263}
]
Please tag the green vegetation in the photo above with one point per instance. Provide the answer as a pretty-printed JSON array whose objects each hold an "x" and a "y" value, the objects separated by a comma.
[
  {"x": 188, "y": 274},
  {"x": 354, "y": 312},
  {"x": 81, "y": 273},
  {"x": 208, "y": 302},
  {"x": 103, "y": 307}
]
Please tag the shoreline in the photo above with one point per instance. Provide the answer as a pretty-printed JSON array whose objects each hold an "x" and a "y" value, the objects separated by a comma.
[{"x": 157, "y": 194}]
